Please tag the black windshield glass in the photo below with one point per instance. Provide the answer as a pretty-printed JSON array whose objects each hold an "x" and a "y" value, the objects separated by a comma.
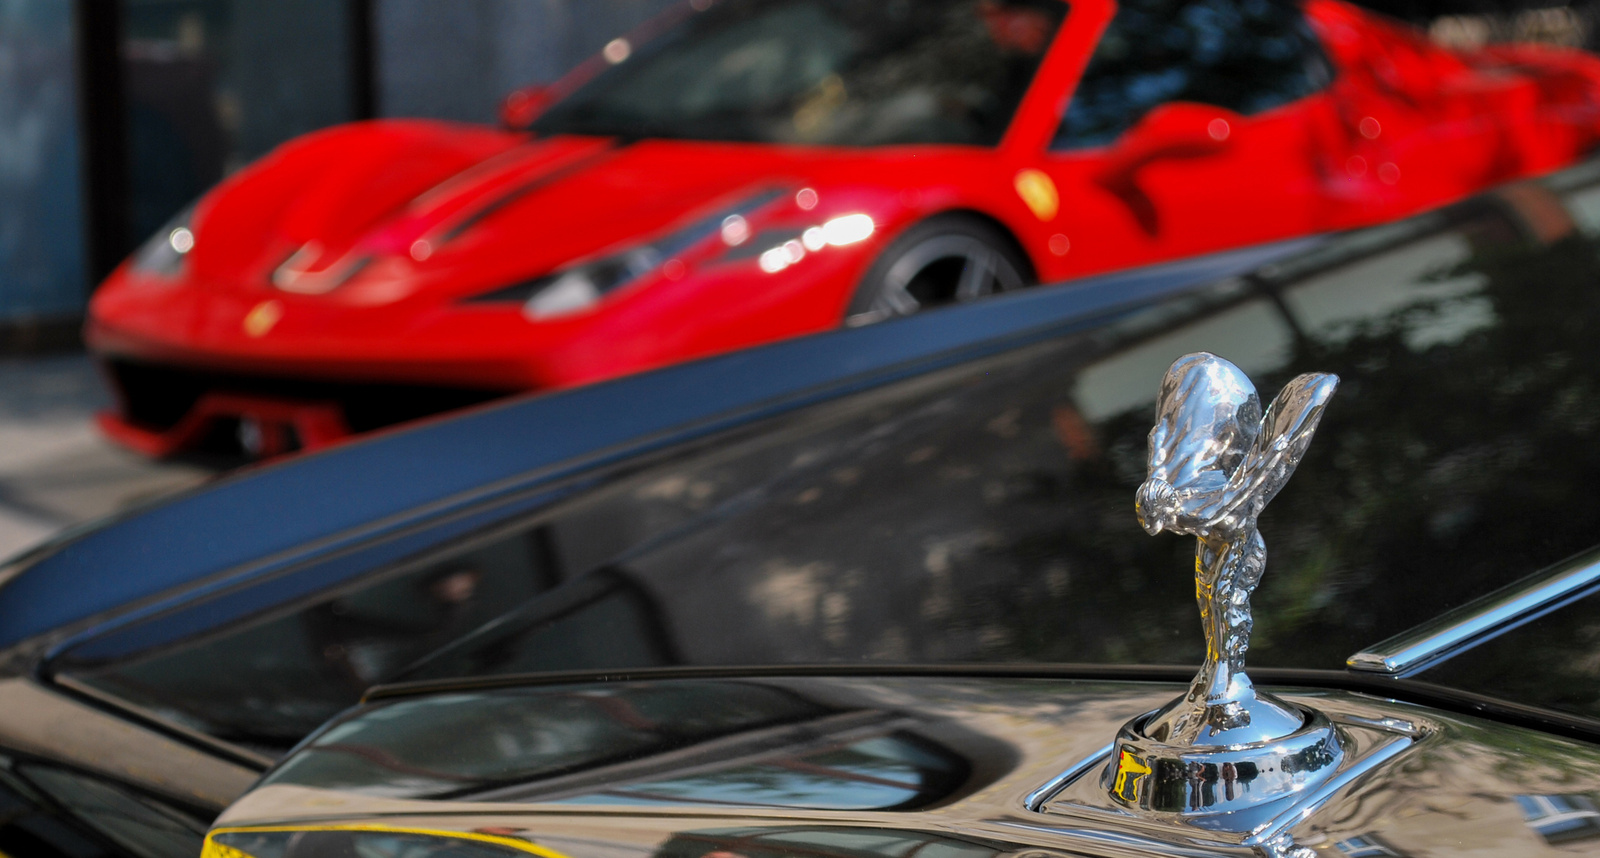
[
  {"x": 266, "y": 683},
  {"x": 1245, "y": 55},
  {"x": 839, "y": 72}
]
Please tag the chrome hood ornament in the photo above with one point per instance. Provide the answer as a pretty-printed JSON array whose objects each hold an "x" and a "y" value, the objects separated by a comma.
[{"x": 1215, "y": 462}]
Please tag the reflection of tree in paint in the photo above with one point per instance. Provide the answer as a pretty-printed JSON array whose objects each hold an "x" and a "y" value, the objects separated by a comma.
[{"x": 956, "y": 525}]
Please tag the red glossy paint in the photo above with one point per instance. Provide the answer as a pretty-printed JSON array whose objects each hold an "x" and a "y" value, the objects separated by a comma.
[{"x": 397, "y": 222}]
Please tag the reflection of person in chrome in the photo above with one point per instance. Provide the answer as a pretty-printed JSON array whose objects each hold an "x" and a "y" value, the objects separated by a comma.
[
  {"x": 1197, "y": 782},
  {"x": 1215, "y": 462}
]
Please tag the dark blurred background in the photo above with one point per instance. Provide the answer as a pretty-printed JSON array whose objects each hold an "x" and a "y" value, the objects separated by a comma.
[{"x": 114, "y": 114}]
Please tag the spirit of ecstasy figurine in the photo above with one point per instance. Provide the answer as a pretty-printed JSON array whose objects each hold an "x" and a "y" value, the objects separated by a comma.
[{"x": 1215, "y": 463}]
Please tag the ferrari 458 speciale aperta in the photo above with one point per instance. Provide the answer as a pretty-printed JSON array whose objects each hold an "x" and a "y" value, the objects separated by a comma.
[{"x": 740, "y": 171}]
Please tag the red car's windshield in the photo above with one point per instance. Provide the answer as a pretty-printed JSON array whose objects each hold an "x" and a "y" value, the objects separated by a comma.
[
  {"x": 1247, "y": 56},
  {"x": 839, "y": 72}
]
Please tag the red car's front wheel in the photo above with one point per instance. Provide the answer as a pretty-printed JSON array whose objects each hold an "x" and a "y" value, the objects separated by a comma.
[{"x": 942, "y": 260}]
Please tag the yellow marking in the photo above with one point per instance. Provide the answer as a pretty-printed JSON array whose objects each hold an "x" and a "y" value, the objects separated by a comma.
[
  {"x": 499, "y": 840},
  {"x": 1130, "y": 773},
  {"x": 213, "y": 849},
  {"x": 260, "y": 320},
  {"x": 1039, "y": 193}
]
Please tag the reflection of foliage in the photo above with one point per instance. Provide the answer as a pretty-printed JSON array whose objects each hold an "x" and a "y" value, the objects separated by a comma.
[
  {"x": 1531, "y": 761},
  {"x": 1447, "y": 471},
  {"x": 1437, "y": 475},
  {"x": 973, "y": 516}
]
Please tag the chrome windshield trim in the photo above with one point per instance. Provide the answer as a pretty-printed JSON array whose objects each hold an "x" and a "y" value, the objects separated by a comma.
[
  {"x": 1479, "y": 618},
  {"x": 1035, "y": 800}
]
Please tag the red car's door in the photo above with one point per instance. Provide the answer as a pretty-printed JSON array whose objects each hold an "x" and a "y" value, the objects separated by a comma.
[
  {"x": 1195, "y": 127},
  {"x": 1420, "y": 127}
]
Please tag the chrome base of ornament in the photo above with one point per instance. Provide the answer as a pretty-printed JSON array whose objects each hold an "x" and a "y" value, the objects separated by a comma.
[
  {"x": 1370, "y": 736},
  {"x": 1153, "y": 776}
]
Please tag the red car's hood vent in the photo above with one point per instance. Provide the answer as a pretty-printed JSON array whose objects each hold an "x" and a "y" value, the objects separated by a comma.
[
  {"x": 362, "y": 191},
  {"x": 315, "y": 213}
]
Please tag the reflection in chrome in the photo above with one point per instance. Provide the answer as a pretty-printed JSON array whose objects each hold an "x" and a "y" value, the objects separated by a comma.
[
  {"x": 1036, "y": 799},
  {"x": 1215, "y": 462},
  {"x": 1561, "y": 818},
  {"x": 1476, "y": 620},
  {"x": 1370, "y": 740}
]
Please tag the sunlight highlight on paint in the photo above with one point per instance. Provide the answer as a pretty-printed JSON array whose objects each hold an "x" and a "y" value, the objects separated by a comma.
[
  {"x": 848, "y": 229},
  {"x": 735, "y": 230}
]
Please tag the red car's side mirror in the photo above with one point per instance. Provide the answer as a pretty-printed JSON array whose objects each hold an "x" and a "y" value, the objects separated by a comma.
[
  {"x": 524, "y": 105},
  {"x": 1178, "y": 129}
]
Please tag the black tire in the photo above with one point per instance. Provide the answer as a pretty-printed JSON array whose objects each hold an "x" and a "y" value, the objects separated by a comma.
[{"x": 943, "y": 260}]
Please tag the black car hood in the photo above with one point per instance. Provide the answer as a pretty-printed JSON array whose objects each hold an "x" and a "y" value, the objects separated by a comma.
[{"x": 868, "y": 767}]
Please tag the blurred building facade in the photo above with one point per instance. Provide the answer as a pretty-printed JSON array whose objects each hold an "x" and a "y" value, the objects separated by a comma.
[
  {"x": 42, "y": 263},
  {"x": 115, "y": 114}
]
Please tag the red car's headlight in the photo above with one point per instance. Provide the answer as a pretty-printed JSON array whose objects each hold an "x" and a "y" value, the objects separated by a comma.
[
  {"x": 163, "y": 253},
  {"x": 578, "y": 287}
]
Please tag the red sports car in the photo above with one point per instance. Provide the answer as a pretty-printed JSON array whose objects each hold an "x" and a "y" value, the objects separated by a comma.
[{"x": 745, "y": 170}]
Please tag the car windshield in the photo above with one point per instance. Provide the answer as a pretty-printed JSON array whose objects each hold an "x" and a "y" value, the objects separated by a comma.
[{"x": 838, "y": 72}]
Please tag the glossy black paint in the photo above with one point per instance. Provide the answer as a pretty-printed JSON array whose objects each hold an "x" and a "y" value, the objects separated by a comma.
[
  {"x": 1548, "y": 661},
  {"x": 952, "y": 488},
  {"x": 782, "y": 743},
  {"x": 694, "y": 768},
  {"x": 263, "y": 522}
]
